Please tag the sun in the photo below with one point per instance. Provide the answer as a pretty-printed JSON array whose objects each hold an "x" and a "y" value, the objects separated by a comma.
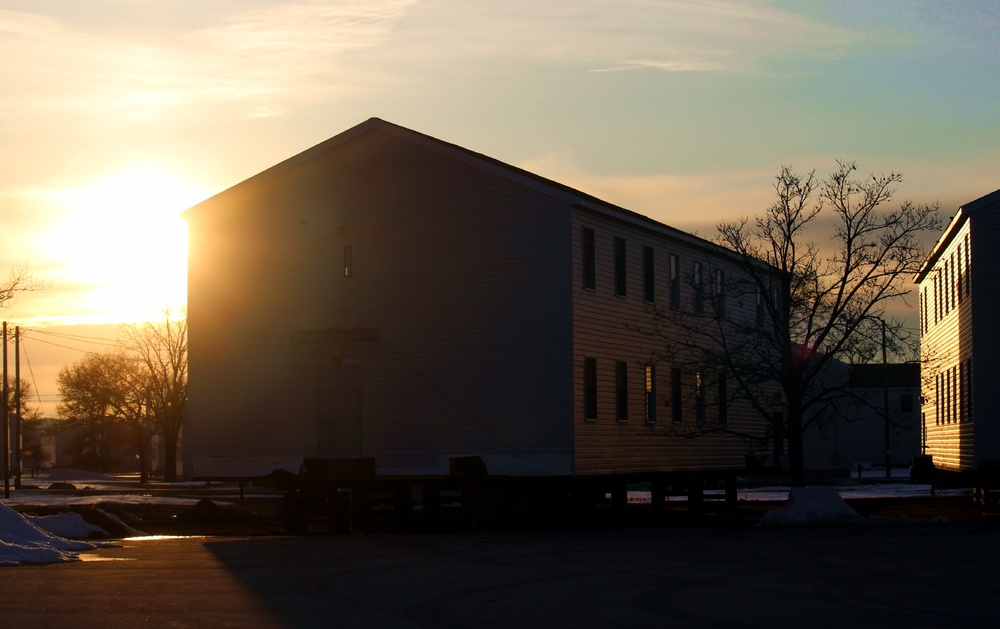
[{"x": 121, "y": 245}]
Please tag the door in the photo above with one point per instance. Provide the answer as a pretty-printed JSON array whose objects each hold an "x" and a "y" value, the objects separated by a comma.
[{"x": 339, "y": 411}]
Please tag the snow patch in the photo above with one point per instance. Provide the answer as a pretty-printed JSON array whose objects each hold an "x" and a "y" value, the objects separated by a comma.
[
  {"x": 69, "y": 525},
  {"x": 23, "y": 542},
  {"x": 811, "y": 506}
]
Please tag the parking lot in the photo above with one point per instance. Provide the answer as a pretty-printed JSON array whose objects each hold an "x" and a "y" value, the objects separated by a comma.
[{"x": 916, "y": 575}]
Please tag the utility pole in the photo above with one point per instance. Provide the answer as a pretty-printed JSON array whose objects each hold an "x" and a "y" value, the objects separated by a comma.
[
  {"x": 6, "y": 420},
  {"x": 17, "y": 408},
  {"x": 885, "y": 404}
]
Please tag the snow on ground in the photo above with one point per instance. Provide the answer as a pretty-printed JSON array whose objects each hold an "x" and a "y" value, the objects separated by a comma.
[
  {"x": 28, "y": 539},
  {"x": 812, "y": 506},
  {"x": 25, "y": 542}
]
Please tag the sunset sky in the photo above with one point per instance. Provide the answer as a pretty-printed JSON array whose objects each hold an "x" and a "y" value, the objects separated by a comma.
[{"x": 119, "y": 114}]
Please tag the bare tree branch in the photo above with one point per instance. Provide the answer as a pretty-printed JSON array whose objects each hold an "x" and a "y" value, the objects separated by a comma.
[{"x": 817, "y": 304}]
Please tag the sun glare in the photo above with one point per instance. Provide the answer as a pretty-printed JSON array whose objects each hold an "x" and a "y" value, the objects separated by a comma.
[{"x": 122, "y": 246}]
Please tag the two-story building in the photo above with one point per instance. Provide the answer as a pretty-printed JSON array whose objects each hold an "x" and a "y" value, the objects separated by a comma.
[
  {"x": 959, "y": 347},
  {"x": 391, "y": 296}
]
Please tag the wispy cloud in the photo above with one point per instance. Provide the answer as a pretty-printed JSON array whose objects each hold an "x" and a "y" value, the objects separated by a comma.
[
  {"x": 624, "y": 35},
  {"x": 261, "y": 57}
]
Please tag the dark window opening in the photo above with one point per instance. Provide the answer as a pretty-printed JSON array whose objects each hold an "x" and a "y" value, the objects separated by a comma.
[
  {"x": 620, "y": 260},
  {"x": 675, "y": 394},
  {"x": 675, "y": 281},
  {"x": 648, "y": 274},
  {"x": 621, "y": 391},
  {"x": 590, "y": 388},
  {"x": 699, "y": 397},
  {"x": 589, "y": 259},
  {"x": 650, "y": 394},
  {"x": 905, "y": 403},
  {"x": 699, "y": 289},
  {"x": 720, "y": 293},
  {"x": 348, "y": 261},
  {"x": 723, "y": 399}
]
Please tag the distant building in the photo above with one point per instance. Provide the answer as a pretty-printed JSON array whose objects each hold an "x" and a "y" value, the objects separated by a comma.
[
  {"x": 959, "y": 343},
  {"x": 854, "y": 434},
  {"x": 391, "y": 296}
]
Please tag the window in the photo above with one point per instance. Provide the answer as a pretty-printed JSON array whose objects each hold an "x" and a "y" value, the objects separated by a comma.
[
  {"x": 923, "y": 311},
  {"x": 648, "y": 274},
  {"x": 698, "y": 279},
  {"x": 968, "y": 268},
  {"x": 720, "y": 293},
  {"x": 590, "y": 388},
  {"x": 621, "y": 391},
  {"x": 953, "y": 287},
  {"x": 620, "y": 275},
  {"x": 699, "y": 397},
  {"x": 937, "y": 297},
  {"x": 675, "y": 394},
  {"x": 954, "y": 393},
  {"x": 969, "y": 390},
  {"x": 348, "y": 261},
  {"x": 650, "y": 394},
  {"x": 589, "y": 259},
  {"x": 722, "y": 399},
  {"x": 946, "y": 288},
  {"x": 937, "y": 399},
  {"x": 947, "y": 396},
  {"x": 675, "y": 281},
  {"x": 761, "y": 307},
  {"x": 962, "y": 377},
  {"x": 905, "y": 403},
  {"x": 959, "y": 284}
]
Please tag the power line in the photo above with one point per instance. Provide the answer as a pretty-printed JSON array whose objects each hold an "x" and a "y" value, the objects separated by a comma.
[
  {"x": 31, "y": 372},
  {"x": 95, "y": 340}
]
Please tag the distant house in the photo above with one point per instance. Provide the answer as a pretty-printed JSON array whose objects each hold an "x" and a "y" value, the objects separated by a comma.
[
  {"x": 959, "y": 343},
  {"x": 855, "y": 434},
  {"x": 391, "y": 296}
]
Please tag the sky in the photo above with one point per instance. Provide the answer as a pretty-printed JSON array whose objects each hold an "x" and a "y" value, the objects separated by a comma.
[{"x": 120, "y": 114}]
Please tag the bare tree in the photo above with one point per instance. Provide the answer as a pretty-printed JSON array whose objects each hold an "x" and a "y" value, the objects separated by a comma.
[
  {"x": 161, "y": 349},
  {"x": 812, "y": 304},
  {"x": 131, "y": 403},
  {"x": 18, "y": 281},
  {"x": 88, "y": 392}
]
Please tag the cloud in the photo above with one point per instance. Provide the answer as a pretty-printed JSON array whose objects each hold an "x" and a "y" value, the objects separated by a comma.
[
  {"x": 624, "y": 35},
  {"x": 259, "y": 57}
]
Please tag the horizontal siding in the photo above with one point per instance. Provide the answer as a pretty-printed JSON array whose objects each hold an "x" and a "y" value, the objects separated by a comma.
[
  {"x": 950, "y": 422},
  {"x": 601, "y": 330}
]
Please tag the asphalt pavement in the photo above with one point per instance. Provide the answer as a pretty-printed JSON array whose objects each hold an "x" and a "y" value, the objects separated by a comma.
[{"x": 899, "y": 575}]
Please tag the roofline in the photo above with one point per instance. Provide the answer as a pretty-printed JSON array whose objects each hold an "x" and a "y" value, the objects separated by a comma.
[
  {"x": 523, "y": 177},
  {"x": 963, "y": 214}
]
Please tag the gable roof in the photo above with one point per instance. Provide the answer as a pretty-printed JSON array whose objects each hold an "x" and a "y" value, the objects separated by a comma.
[
  {"x": 478, "y": 160},
  {"x": 963, "y": 214}
]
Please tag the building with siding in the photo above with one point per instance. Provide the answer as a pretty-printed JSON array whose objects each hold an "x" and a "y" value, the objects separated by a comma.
[
  {"x": 958, "y": 341},
  {"x": 853, "y": 435},
  {"x": 391, "y": 296}
]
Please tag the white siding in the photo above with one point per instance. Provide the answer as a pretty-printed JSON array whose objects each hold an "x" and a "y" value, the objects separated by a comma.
[{"x": 948, "y": 420}]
